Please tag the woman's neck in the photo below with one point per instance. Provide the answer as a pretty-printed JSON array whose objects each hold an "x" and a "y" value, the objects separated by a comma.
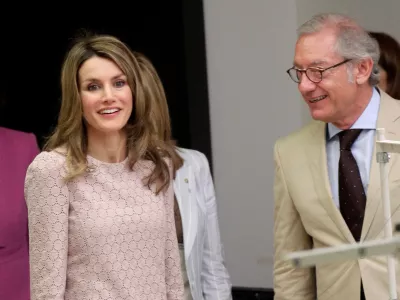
[{"x": 107, "y": 147}]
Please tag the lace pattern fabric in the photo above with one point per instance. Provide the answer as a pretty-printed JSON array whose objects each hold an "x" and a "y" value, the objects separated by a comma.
[{"x": 104, "y": 235}]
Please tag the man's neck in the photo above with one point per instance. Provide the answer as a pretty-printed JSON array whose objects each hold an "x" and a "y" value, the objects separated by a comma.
[{"x": 356, "y": 110}]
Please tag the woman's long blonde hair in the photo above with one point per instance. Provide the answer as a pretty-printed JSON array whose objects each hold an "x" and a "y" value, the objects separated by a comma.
[{"x": 148, "y": 128}]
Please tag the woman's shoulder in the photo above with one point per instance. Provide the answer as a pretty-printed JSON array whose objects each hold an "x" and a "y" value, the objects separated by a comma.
[
  {"x": 45, "y": 175},
  {"x": 48, "y": 161},
  {"x": 193, "y": 157}
]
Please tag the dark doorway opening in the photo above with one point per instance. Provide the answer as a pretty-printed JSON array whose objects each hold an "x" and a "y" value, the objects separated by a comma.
[{"x": 170, "y": 33}]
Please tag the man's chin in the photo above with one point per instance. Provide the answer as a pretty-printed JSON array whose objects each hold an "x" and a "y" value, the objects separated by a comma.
[{"x": 320, "y": 115}]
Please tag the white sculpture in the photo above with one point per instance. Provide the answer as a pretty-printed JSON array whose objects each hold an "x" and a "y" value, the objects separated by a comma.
[{"x": 389, "y": 246}]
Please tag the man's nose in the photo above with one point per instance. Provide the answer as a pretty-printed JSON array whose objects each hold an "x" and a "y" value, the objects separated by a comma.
[{"x": 305, "y": 84}]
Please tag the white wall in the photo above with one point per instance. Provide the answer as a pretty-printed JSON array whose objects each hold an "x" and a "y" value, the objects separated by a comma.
[
  {"x": 250, "y": 45},
  {"x": 380, "y": 16},
  {"x": 372, "y": 14},
  {"x": 308, "y": 8}
]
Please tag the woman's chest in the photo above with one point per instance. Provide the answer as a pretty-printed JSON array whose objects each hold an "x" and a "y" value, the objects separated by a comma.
[{"x": 118, "y": 204}]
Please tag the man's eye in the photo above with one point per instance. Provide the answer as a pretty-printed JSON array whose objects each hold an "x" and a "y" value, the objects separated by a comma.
[{"x": 314, "y": 71}]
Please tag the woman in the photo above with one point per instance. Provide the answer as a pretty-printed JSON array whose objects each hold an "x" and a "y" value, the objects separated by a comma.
[
  {"x": 204, "y": 273},
  {"x": 389, "y": 63},
  {"x": 202, "y": 255},
  {"x": 17, "y": 150},
  {"x": 100, "y": 198}
]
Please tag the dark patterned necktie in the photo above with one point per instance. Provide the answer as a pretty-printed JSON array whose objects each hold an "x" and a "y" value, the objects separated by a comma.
[{"x": 352, "y": 197}]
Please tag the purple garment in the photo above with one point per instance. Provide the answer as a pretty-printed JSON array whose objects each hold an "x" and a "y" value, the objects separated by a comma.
[{"x": 17, "y": 150}]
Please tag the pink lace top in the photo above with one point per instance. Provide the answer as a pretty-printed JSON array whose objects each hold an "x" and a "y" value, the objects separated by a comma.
[{"x": 104, "y": 235}]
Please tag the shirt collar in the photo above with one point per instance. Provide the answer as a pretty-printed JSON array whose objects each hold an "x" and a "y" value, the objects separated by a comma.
[{"x": 367, "y": 120}]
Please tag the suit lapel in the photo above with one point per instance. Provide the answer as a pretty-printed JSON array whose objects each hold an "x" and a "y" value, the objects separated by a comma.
[
  {"x": 319, "y": 169},
  {"x": 316, "y": 151},
  {"x": 388, "y": 114},
  {"x": 183, "y": 185}
]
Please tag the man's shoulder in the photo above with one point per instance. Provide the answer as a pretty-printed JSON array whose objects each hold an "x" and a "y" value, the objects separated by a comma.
[
  {"x": 301, "y": 137},
  {"x": 389, "y": 104}
]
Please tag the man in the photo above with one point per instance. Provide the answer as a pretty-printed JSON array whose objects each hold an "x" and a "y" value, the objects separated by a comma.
[{"x": 327, "y": 181}]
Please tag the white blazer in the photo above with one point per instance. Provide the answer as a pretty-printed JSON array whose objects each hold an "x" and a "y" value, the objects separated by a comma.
[{"x": 194, "y": 191}]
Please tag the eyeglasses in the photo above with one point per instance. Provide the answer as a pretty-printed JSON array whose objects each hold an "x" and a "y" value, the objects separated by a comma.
[{"x": 313, "y": 74}]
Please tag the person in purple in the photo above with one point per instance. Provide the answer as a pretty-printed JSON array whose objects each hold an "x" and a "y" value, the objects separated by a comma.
[{"x": 17, "y": 151}]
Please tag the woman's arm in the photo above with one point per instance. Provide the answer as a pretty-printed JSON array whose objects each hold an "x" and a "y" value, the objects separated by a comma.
[{"x": 46, "y": 196}]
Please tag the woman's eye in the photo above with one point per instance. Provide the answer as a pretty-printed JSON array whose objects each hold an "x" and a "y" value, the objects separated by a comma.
[
  {"x": 93, "y": 87},
  {"x": 120, "y": 83}
]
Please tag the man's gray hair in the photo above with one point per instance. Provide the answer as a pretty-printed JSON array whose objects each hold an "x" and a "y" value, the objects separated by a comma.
[{"x": 353, "y": 42}]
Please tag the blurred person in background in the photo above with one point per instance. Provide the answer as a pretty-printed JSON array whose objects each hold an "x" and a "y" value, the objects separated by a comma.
[
  {"x": 389, "y": 63},
  {"x": 203, "y": 267},
  {"x": 17, "y": 151}
]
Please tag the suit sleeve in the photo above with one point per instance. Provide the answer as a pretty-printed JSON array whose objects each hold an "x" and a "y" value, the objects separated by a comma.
[
  {"x": 47, "y": 200},
  {"x": 289, "y": 235},
  {"x": 216, "y": 284}
]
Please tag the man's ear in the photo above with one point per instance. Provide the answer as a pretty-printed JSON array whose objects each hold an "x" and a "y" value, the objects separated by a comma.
[{"x": 363, "y": 70}]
